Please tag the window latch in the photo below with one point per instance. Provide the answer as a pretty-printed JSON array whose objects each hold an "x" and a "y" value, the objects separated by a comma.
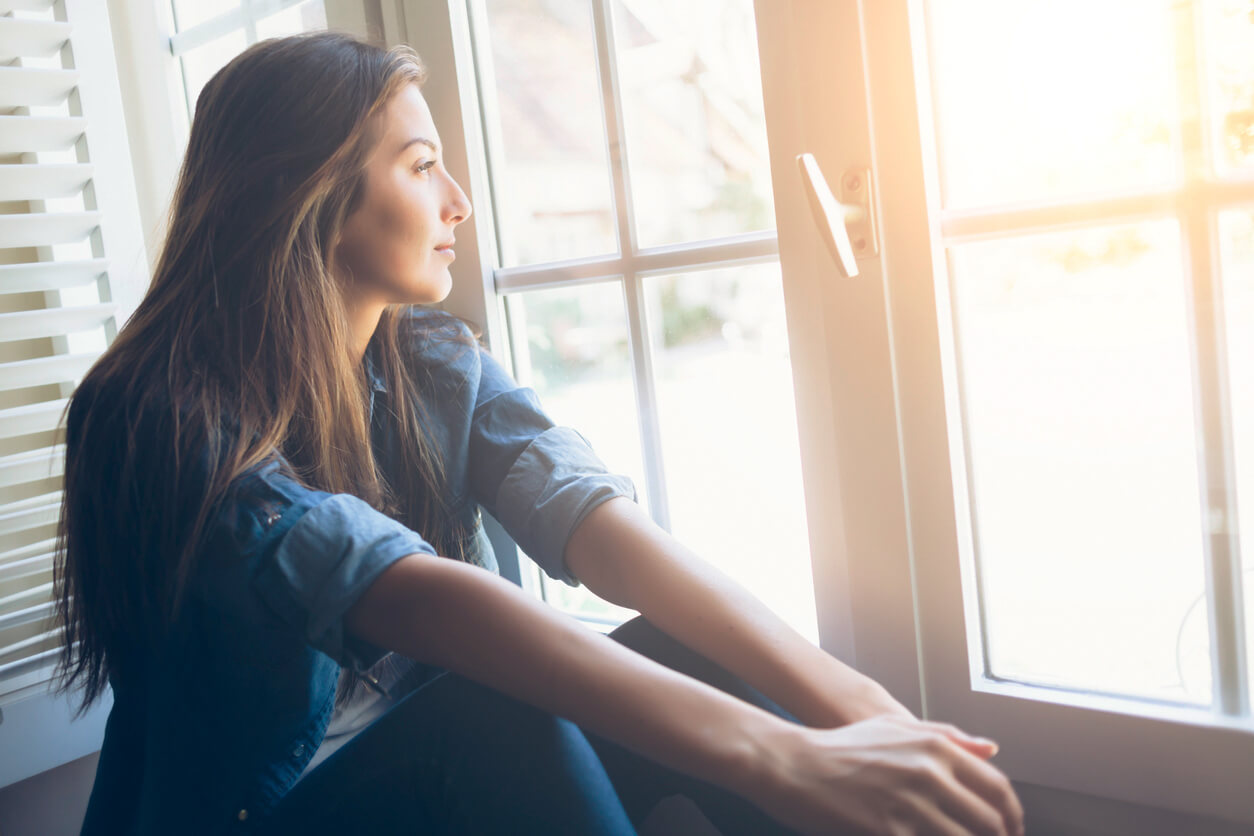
[{"x": 848, "y": 224}]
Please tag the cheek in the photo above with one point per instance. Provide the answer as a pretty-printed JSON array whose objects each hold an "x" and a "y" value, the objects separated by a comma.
[
  {"x": 402, "y": 229},
  {"x": 386, "y": 239}
]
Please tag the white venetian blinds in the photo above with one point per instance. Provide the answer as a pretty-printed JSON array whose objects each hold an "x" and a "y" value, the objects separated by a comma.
[{"x": 71, "y": 265}]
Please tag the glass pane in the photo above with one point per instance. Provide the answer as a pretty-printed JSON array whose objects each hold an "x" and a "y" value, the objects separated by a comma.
[
  {"x": 189, "y": 13},
  {"x": 1039, "y": 99},
  {"x": 1078, "y": 401},
  {"x": 576, "y": 356},
  {"x": 201, "y": 63},
  {"x": 546, "y": 131},
  {"x": 305, "y": 17},
  {"x": 1236, "y": 235},
  {"x": 692, "y": 102},
  {"x": 1230, "y": 54},
  {"x": 729, "y": 431}
]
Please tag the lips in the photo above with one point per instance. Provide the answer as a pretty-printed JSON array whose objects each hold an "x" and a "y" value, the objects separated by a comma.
[{"x": 446, "y": 246}]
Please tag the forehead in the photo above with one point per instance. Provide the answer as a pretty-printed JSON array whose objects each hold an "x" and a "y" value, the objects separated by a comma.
[{"x": 404, "y": 118}]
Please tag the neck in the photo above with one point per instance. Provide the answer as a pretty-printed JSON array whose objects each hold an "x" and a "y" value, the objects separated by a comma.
[{"x": 363, "y": 319}]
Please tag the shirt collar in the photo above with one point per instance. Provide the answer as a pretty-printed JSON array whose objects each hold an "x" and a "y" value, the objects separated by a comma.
[{"x": 377, "y": 383}]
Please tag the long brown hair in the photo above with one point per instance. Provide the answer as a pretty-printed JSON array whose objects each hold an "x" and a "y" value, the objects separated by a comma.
[{"x": 239, "y": 350}]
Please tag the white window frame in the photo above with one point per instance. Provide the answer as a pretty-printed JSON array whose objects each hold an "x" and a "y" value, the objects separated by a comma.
[{"x": 906, "y": 553}]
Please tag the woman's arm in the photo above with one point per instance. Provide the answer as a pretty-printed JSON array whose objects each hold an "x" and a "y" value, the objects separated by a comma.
[
  {"x": 619, "y": 553},
  {"x": 874, "y": 776}
]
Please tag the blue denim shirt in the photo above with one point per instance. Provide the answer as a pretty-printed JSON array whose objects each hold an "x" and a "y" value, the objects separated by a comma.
[{"x": 240, "y": 696}]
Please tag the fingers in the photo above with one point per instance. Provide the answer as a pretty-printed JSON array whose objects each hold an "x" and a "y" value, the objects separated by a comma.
[
  {"x": 976, "y": 778},
  {"x": 947, "y": 809},
  {"x": 981, "y": 746},
  {"x": 974, "y": 813},
  {"x": 992, "y": 786}
]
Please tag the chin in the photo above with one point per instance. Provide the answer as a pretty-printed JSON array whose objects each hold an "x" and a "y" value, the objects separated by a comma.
[{"x": 428, "y": 292}]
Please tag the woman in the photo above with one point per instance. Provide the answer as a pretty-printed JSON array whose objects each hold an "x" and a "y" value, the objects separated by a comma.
[{"x": 264, "y": 466}]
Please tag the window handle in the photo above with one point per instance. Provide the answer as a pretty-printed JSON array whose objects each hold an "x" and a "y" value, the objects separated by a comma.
[{"x": 835, "y": 218}]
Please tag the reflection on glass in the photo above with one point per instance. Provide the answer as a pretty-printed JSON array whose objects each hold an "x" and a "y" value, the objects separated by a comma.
[
  {"x": 1236, "y": 235},
  {"x": 1077, "y": 393},
  {"x": 551, "y": 180},
  {"x": 692, "y": 101},
  {"x": 576, "y": 356},
  {"x": 1230, "y": 54},
  {"x": 200, "y": 64},
  {"x": 1040, "y": 99},
  {"x": 189, "y": 13},
  {"x": 306, "y": 17},
  {"x": 729, "y": 431}
]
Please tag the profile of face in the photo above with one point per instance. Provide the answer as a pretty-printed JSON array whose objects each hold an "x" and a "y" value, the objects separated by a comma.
[{"x": 396, "y": 246}]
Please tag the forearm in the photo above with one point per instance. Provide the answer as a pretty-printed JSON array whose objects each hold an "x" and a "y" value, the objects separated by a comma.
[
  {"x": 477, "y": 625},
  {"x": 623, "y": 556}
]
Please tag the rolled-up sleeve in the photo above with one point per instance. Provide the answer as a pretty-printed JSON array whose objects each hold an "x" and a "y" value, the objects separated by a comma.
[
  {"x": 315, "y": 556},
  {"x": 539, "y": 480}
]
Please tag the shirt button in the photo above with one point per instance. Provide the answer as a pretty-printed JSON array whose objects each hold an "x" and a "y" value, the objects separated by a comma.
[
  {"x": 299, "y": 750},
  {"x": 243, "y": 815}
]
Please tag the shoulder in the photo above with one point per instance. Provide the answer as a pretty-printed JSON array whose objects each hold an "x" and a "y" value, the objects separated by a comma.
[{"x": 440, "y": 349}]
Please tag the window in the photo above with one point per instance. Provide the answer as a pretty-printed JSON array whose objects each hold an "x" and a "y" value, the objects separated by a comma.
[
  {"x": 1046, "y": 351},
  {"x": 209, "y": 33},
  {"x": 631, "y": 205}
]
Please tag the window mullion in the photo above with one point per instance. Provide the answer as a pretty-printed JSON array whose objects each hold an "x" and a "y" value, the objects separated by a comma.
[
  {"x": 1212, "y": 403},
  {"x": 250, "y": 21},
  {"x": 638, "y": 326}
]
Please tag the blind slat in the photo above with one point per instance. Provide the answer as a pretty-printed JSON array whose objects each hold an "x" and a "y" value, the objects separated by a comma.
[
  {"x": 33, "y": 418},
  {"x": 28, "y": 560},
  {"x": 27, "y": 518},
  {"x": 50, "y": 275},
  {"x": 58, "y": 369},
  {"x": 22, "y": 134},
  {"x": 27, "y": 644},
  {"x": 26, "y": 598},
  {"x": 30, "y": 503},
  {"x": 43, "y": 228},
  {"x": 35, "y": 86},
  {"x": 32, "y": 466},
  {"x": 30, "y": 615},
  {"x": 53, "y": 322},
  {"x": 41, "y": 181},
  {"x": 26, "y": 38},
  {"x": 30, "y": 671},
  {"x": 25, "y": 5}
]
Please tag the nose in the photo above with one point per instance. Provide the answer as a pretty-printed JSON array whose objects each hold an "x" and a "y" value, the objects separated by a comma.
[{"x": 457, "y": 208}]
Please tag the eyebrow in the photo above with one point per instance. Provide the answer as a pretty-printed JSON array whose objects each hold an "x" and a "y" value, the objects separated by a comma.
[{"x": 419, "y": 140}]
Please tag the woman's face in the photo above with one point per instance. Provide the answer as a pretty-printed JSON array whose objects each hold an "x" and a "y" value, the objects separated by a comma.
[{"x": 396, "y": 246}]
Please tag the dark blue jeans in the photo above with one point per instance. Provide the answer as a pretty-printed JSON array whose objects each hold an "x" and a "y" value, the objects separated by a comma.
[{"x": 455, "y": 757}]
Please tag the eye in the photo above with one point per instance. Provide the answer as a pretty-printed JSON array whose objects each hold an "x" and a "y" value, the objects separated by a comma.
[{"x": 423, "y": 168}]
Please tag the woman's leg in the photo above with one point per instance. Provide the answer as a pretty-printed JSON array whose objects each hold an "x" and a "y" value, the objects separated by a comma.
[
  {"x": 456, "y": 757},
  {"x": 641, "y": 783}
]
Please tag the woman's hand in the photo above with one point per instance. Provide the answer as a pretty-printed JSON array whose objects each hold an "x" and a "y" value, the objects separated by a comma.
[{"x": 887, "y": 775}]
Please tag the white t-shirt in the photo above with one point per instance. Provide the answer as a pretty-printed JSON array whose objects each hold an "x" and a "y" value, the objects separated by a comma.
[{"x": 362, "y": 709}]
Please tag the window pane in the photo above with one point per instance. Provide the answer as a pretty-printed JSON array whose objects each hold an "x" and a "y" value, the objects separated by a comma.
[
  {"x": 546, "y": 132},
  {"x": 696, "y": 136},
  {"x": 306, "y": 17},
  {"x": 1039, "y": 99},
  {"x": 1230, "y": 41},
  {"x": 729, "y": 430},
  {"x": 577, "y": 357},
  {"x": 1078, "y": 408},
  {"x": 1236, "y": 232},
  {"x": 189, "y": 13},
  {"x": 201, "y": 63}
]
